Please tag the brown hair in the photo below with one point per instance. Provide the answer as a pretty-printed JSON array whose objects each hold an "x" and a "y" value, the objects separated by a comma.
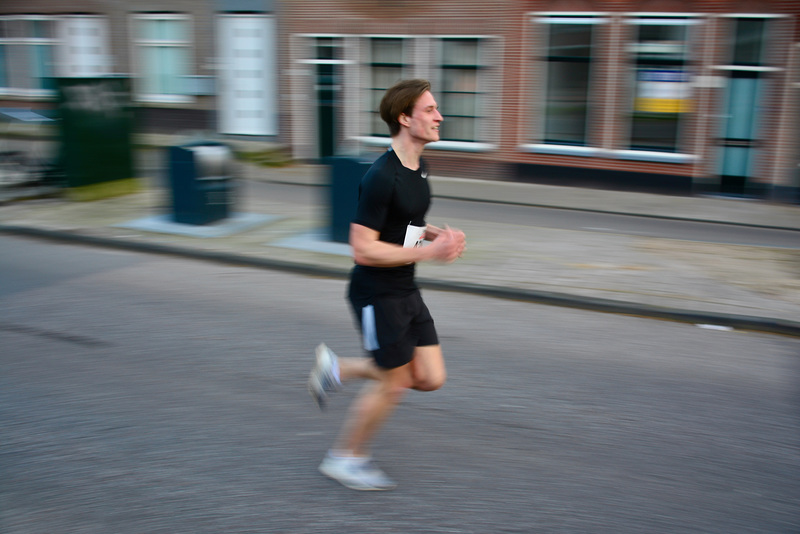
[{"x": 400, "y": 99}]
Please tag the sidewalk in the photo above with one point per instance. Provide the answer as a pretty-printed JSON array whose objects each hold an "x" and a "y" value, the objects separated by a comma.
[{"x": 746, "y": 287}]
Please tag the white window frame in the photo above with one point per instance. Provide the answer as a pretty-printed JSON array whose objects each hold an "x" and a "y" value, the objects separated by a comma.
[
  {"x": 644, "y": 154},
  {"x": 53, "y": 42},
  {"x": 480, "y": 144},
  {"x": 547, "y": 19},
  {"x": 424, "y": 61},
  {"x": 137, "y": 45},
  {"x": 366, "y": 84},
  {"x": 764, "y": 67},
  {"x": 603, "y": 152},
  {"x": 537, "y": 133}
]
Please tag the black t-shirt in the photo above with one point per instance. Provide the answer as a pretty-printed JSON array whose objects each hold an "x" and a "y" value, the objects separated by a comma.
[{"x": 392, "y": 200}]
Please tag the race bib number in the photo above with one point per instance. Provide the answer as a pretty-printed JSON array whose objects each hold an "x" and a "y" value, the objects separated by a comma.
[{"x": 415, "y": 235}]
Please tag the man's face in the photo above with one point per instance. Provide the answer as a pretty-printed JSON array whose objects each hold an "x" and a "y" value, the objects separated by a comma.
[{"x": 423, "y": 124}]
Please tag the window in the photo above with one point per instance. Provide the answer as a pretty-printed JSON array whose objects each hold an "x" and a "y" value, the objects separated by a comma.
[
  {"x": 386, "y": 68},
  {"x": 568, "y": 78},
  {"x": 748, "y": 42},
  {"x": 163, "y": 56},
  {"x": 661, "y": 82},
  {"x": 26, "y": 55},
  {"x": 460, "y": 89},
  {"x": 463, "y": 82}
]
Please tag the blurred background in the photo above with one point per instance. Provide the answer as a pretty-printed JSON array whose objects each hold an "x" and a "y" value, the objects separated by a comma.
[
  {"x": 679, "y": 98},
  {"x": 635, "y": 158}
]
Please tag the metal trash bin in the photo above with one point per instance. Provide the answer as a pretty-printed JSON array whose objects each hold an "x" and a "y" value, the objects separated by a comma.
[
  {"x": 345, "y": 176},
  {"x": 200, "y": 176}
]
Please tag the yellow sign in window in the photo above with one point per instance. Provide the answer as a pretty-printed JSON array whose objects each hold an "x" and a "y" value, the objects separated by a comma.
[
  {"x": 663, "y": 91},
  {"x": 663, "y": 105}
]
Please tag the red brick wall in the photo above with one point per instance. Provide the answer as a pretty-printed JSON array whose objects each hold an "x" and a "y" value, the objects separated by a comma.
[{"x": 518, "y": 119}]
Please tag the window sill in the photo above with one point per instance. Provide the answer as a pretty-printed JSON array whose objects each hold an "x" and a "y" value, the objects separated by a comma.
[
  {"x": 454, "y": 146},
  {"x": 462, "y": 146},
  {"x": 164, "y": 99},
  {"x": 655, "y": 157},
  {"x": 562, "y": 150},
  {"x": 374, "y": 141},
  {"x": 28, "y": 94},
  {"x": 631, "y": 155}
]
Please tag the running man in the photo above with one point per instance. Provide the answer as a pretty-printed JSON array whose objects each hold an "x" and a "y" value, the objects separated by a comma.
[{"x": 386, "y": 237}]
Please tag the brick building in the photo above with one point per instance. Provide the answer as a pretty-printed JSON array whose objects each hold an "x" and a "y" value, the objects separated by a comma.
[
  {"x": 657, "y": 95},
  {"x": 651, "y": 95}
]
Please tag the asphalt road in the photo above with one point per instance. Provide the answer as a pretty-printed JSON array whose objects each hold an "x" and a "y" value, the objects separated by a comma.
[{"x": 153, "y": 394}]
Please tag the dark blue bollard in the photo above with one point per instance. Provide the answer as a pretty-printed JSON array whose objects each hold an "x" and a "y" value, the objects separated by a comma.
[
  {"x": 201, "y": 182},
  {"x": 345, "y": 176}
]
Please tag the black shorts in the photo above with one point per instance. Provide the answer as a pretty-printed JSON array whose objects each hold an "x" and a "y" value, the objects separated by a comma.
[{"x": 392, "y": 327}]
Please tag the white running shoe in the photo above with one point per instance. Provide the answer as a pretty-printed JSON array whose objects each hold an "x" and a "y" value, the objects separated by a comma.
[
  {"x": 322, "y": 379},
  {"x": 356, "y": 473}
]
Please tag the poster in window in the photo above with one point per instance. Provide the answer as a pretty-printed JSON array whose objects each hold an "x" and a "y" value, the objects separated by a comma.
[{"x": 663, "y": 91}]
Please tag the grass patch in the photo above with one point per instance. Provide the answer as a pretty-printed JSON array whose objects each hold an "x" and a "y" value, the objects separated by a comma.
[
  {"x": 116, "y": 188},
  {"x": 271, "y": 157}
]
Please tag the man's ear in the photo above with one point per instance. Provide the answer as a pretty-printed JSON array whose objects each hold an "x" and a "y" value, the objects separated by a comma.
[{"x": 403, "y": 119}]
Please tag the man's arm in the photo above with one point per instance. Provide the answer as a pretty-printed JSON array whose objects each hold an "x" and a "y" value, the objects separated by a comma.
[{"x": 369, "y": 251}]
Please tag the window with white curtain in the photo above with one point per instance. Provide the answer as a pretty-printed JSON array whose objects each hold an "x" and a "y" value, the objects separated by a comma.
[
  {"x": 26, "y": 55},
  {"x": 163, "y": 48}
]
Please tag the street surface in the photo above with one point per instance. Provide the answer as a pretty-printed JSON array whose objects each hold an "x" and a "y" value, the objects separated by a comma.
[{"x": 148, "y": 394}]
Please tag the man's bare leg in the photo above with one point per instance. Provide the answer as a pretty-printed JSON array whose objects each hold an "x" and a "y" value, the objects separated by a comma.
[
  {"x": 349, "y": 461},
  {"x": 428, "y": 371},
  {"x": 376, "y": 402},
  {"x": 368, "y": 412},
  {"x": 353, "y": 368}
]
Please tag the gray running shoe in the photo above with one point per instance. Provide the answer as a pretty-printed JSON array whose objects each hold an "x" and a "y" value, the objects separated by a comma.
[
  {"x": 356, "y": 473},
  {"x": 322, "y": 380}
]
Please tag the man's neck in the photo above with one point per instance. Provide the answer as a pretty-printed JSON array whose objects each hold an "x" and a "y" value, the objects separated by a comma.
[{"x": 407, "y": 152}]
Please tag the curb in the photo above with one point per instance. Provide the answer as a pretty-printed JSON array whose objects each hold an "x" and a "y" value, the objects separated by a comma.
[
  {"x": 741, "y": 322},
  {"x": 34, "y": 193}
]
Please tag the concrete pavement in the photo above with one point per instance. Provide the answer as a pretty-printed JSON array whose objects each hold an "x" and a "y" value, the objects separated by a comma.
[{"x": 713, "y": 285}]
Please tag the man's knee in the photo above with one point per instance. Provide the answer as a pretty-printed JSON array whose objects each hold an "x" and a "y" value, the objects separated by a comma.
[{"x": 431, "y": 382}]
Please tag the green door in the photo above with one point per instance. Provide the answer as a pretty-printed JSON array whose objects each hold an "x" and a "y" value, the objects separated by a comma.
[
  {"x": 739, "y": 139},
  {"x": 739, "y": 143},
  {"x": 96, "y": 131}
]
